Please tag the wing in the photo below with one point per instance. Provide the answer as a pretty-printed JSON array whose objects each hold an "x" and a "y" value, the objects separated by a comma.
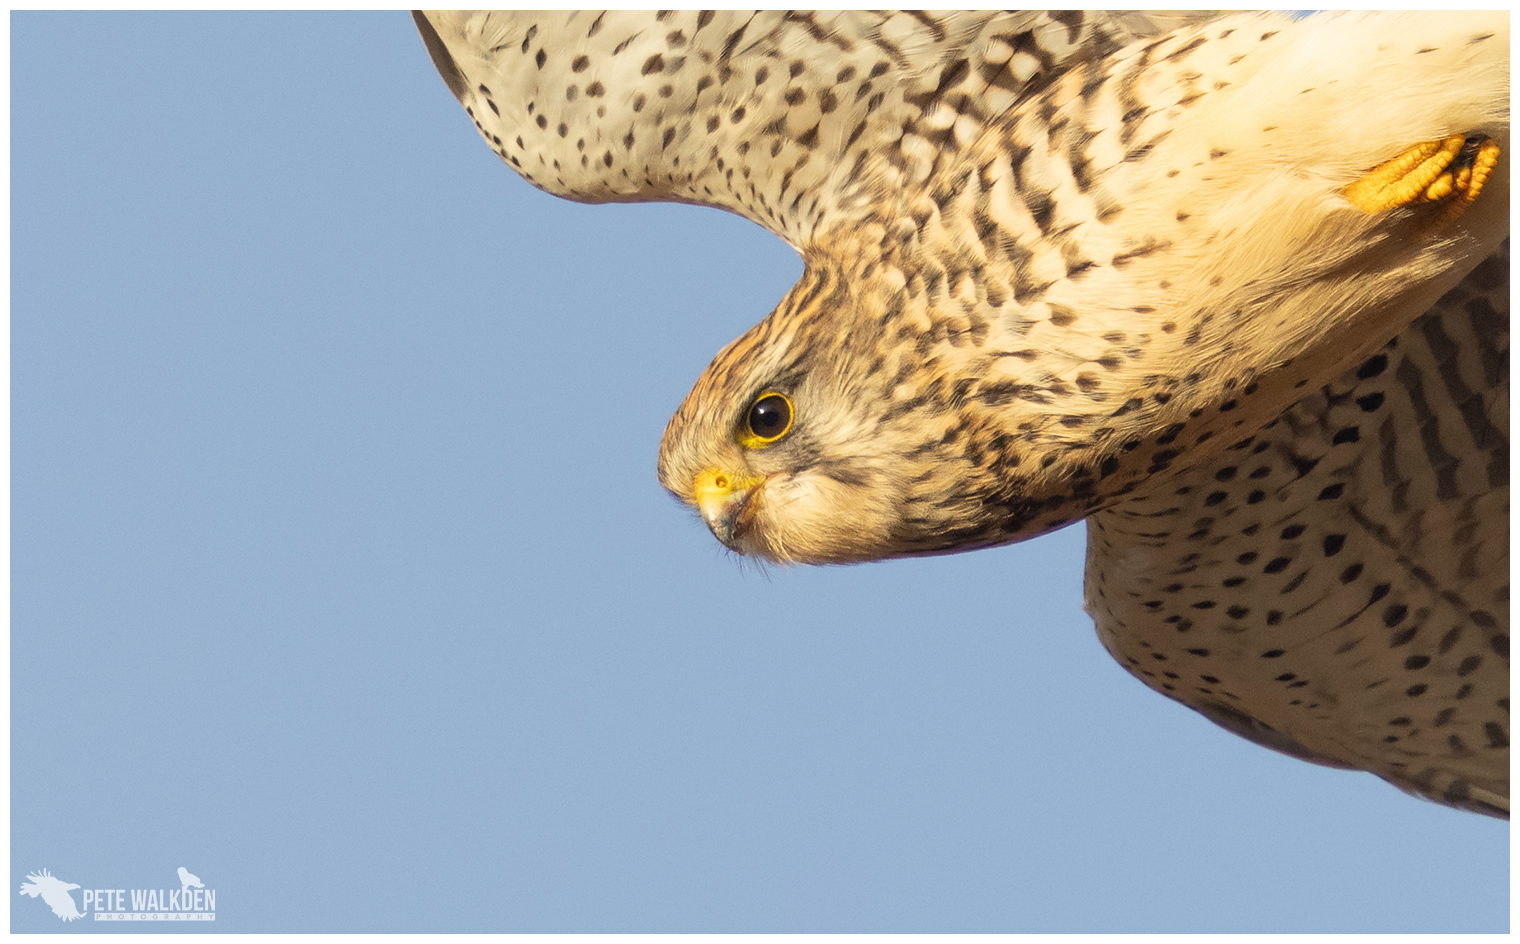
[
  {"x": 1336, "y": 587},
  {"x": 769, "y": 114}
]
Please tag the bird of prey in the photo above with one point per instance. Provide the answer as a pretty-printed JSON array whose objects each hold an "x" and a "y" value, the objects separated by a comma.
[
  {"x": 54, "y": 891},
  {"x": 187, "y": 881},
  {"x": 1229, "y": 287}
]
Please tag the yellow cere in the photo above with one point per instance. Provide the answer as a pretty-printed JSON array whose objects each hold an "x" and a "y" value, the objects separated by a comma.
[{"x": 714, "y": 487}]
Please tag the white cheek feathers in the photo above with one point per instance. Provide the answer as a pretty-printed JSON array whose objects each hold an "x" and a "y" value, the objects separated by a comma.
[{"x": 811, "y": 518}]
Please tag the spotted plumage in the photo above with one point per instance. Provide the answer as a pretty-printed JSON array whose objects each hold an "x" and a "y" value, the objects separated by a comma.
[
  {"x": 1080, "y": 265},
  {"x": 1336, "y": 585}
]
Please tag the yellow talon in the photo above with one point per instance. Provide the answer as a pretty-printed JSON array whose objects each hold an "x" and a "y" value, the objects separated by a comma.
[
  {"x": 1472, "y": 176},
  {"x": 1454, "y": 170},
  {"x": 1439, "y": 189},
  {"x": 1464, "y": 177}
]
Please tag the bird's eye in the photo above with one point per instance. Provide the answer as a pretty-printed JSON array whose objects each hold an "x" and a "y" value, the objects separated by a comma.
[{"x": 769, "y": 419}]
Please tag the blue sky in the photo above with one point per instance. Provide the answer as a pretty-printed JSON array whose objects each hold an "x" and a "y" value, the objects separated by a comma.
[{"x": 341, "y": 576}]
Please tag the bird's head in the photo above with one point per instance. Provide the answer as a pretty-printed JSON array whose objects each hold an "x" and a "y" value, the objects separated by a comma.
[{"x": 827, "y": 435}]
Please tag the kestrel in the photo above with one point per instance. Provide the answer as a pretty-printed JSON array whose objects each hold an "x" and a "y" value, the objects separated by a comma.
[{"x": 1229, "y": 287}]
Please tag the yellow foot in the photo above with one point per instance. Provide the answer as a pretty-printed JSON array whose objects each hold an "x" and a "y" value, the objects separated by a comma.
[{"x": 1452, "y": 171}]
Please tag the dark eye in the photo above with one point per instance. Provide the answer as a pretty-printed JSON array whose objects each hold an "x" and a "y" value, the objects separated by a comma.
[{"x": 770, "y": 418}]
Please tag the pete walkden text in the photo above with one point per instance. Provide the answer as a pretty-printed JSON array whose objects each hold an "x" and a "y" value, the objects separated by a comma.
[{"x": 151, "y": 904}]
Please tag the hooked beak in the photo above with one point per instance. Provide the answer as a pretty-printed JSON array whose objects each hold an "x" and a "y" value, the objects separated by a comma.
[{"x": 727, "y": 504}]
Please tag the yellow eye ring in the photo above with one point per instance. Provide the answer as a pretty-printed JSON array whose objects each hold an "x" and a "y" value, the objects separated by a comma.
[{"x": 768, "y": 419}]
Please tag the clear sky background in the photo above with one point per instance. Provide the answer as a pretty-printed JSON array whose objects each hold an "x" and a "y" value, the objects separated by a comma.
[{"x": 341, "y": 576}]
